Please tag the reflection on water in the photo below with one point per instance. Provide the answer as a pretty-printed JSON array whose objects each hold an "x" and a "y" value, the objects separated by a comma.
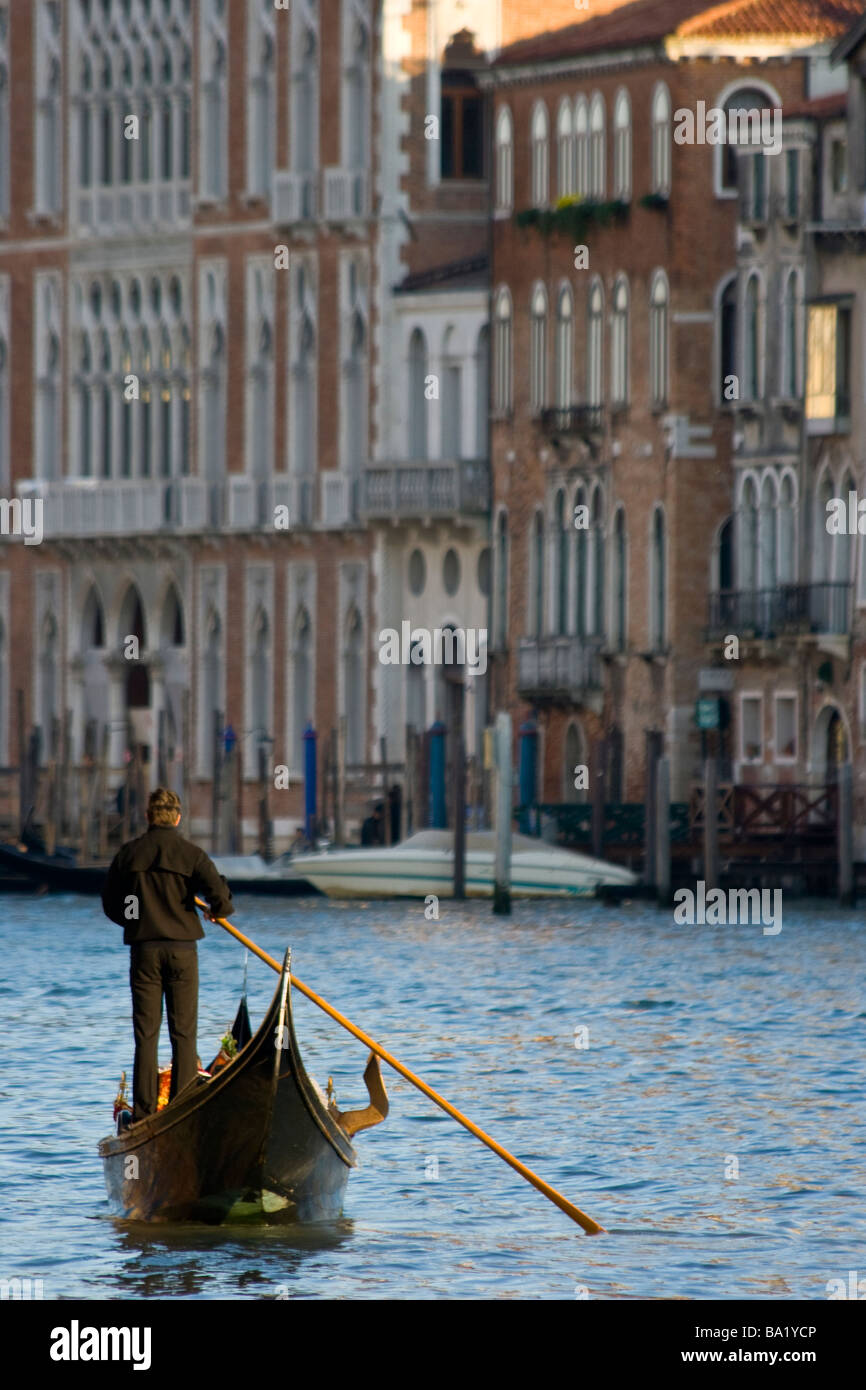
[
  {"x": 180, "y": 1261},
  {"x": 698, "y": 1090}
]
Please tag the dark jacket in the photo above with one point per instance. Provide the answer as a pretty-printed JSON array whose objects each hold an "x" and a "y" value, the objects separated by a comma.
[{"x": 164, "y": 873}]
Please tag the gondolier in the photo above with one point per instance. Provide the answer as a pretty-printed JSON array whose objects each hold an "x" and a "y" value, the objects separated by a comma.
[{"x": 150, "y": 891}]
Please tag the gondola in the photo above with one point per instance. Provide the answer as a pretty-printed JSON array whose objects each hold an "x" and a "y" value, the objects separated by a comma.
[
  {"x": 258, "y": 1142},
  {"x": 55, "y": 871},
  {"x": 61, "y": 874}
]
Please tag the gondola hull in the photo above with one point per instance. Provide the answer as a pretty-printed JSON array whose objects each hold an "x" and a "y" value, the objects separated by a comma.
[
  {"x": 254, "y": 1143},
  {"x": 63, "y": 875}
]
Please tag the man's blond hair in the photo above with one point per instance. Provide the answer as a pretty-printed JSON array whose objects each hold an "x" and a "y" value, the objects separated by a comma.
[{"x": 163, "y": 807}]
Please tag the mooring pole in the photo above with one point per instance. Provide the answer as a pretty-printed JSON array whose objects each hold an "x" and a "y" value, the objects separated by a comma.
[
  {"x": 663, "y": 831},
  {"x": 846, "y": 835},
  {"x": 502, "y": 865},
  {"x": 711, "y": 824}
]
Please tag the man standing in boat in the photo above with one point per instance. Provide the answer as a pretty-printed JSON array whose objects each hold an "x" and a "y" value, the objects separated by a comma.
[{"x": 150, "y": 891}]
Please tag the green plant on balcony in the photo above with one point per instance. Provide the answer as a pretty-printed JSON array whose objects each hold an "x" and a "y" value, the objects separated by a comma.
[
  {"x": 659, "y": 201},
  {"x": 572, "y": 216}
]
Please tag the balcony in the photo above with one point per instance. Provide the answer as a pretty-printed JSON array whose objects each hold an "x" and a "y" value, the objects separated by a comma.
[
  {"x": 788, "y": 610},
  {"x": 104, "y": 507},
  {"x": 88, "y": 507},
  {"x": 412, "y": 491},
  {"x": 559, "y": 668},
  {"x": 338, "y": 499},
  {"x": 584, "y": 422},
  {"x": 295, "y": 197},
  {"x": 120, "y": 209},
  {"x": 346, "y": 194}
]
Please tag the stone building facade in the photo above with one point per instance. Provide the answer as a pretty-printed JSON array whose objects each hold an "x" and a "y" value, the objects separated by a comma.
[{"x": 187, "y": 284}]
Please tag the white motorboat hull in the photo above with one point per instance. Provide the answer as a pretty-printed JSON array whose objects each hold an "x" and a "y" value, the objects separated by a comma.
[{"x": 421, "y": 867}]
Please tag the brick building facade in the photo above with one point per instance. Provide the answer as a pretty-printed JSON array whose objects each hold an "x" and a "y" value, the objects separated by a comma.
[{"x": 613, "y": 245}]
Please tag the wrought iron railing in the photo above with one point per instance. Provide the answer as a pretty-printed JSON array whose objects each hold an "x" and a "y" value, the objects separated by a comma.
[{"x": 788, "y": 608}]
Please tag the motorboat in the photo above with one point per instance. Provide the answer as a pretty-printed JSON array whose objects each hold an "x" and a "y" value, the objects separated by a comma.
[{"x": 424, "y": 864}]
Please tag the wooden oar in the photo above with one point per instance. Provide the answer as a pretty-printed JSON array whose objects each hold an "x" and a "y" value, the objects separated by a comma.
[{"x": 591, "y": 1227}]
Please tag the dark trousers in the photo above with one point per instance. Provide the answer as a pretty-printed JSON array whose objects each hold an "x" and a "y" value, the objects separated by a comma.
[{"x": 158, "y": 968}]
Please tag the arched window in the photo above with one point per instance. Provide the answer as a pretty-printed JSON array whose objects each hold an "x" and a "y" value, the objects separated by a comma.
[
  {"x": 84, "y": 398},
  {"x": 787, "y": 547},
  {"x": 48, "y": 158},
  {"x": 727, "y": 342},
  {"x": 536, "y": 571},
  {"x": 451, "y": 410},
  {"x": 417, "y": 401},
  {"x": 304, "y": 104},
  {"x": 767, "y": 535},
  {"x": 131, "y": 623},
  {"x": 622, "y": 146},
  {"x": 658, "y": 583},
  {"x": 659, "y": 340},
  {"x": 843, "y": 545},
  {"x": 565, "y": 149},
  {"x": 416, "y": 689},
  {"x": 564, "y": 363},
  {"x": 48, "y": 364},
  {"x": 581, "y": 573},
  {"x": 791, "y": 332},
  {"x": 482, "y": 389},
  {"x": 171, "y": 626},
  {"x": 302, "y": 683},
  {"x": 747, "y": 559},
  {"x": 504, "y": 160},
  {"x": 4, "y": 406},
  {"x": 353, "y": 686},
  {"x": 595, "y": 345},
  {"x": 619, "y": 580},
  {"x": 211, "y": 691},
  {"x": 501, "y": 608},
  {"x": 259, "y": 393},
  {"x": 619, "y": 344},
  {"x": 260, "y": 97},
  {"x": 213, "y": 103},
  {"x": 540, "y": 156},
  {"x": 303, "y": 370},
  {"x": 354, "y": 376},
  {"x": 742, "y": 110},
  {"x": 581, "y": 146},
  {"x": 260, "y": 688},
  {"x": 560, "y": 563},
  {"x": 4, "y": 126},
  {"x": 92, "y": 623},
  {"x": 752, "y": 341},
  {"x": 145, "y": 405},
  {"x": 595, "y": 597},
  {"x": 212, "y": 432},
  {"x": 48, "y": 704},
  {"x": 502, "y": 353},
  {"x": 538, "y": 350},
  {"x": 661, "y": 141},
  {"x": 822, "y": 541},
  {"x": 596, "y": 148},
  {"x": 356, "y": 89}
]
